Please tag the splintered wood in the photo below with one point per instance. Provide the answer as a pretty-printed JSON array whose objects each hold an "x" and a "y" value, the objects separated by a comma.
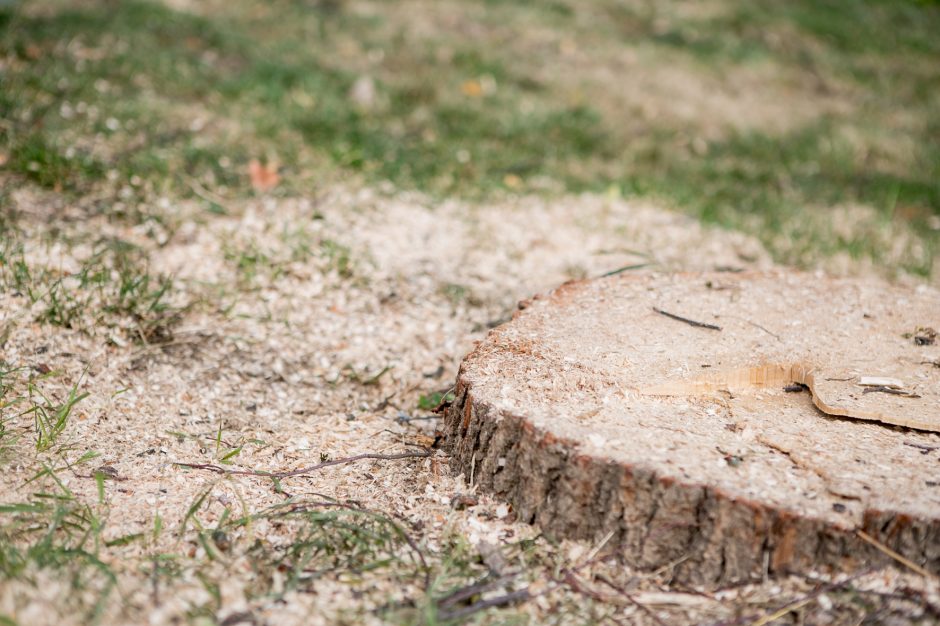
[{"x": 731, "y": 425}]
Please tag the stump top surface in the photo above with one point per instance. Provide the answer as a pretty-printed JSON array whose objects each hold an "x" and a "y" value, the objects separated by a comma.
[{"x": 595, "y": 365}]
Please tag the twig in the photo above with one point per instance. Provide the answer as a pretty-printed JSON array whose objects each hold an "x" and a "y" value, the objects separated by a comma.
[
  {"x": 886, "y": 389},
  {"x": 686, "y": 320},
  {"x": 766, "y": 619},
  {"x": 906, "y": 562},
  {"x": 306, "y": 470},
  {"x": 923, "y": 447},
  {"x": 755, "y": 325},
  {"x": 593, "y": 553},
  {"x": 515, "y": 597},
  {"x": 574, "y": 583},
  {"x": 631, "y": 599},
  {"x": 795, "y": 604},
  {"x": 207, "y": 195},
  {"x": 404, "y": 418},
  {"x": 473, "y": 589}
]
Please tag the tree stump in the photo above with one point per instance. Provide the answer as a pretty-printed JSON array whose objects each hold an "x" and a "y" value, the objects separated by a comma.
[{"x": 728, "y": 426}]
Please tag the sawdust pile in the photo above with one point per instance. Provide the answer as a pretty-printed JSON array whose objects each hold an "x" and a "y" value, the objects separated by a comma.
[{"x": 313, "y": 328}]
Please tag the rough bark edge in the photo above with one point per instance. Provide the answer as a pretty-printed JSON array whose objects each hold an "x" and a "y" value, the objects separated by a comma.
[{"x": 709, "y": 537}]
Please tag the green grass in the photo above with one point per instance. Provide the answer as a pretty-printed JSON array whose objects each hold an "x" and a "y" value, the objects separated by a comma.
[
  {"x": 55, "y": 534},
  {"x": 170, "y": 99},
  {"x": 50, "y": 417},
  {"x": 113, "y": 291}
]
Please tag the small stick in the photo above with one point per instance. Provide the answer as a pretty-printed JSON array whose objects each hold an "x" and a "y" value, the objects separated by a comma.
[
  {"x": 894, "y": 392},
  {"x": 575, "y": 584},
  {"x": 686, "y": 320},
  {"x": 631, "y": 599},
  {"x": 925, "y": 448},
  {"x": 766, "y": 619},
  {"x": 599, "y": 547},
  {"x": 464, "y": 593},
  {"x": 795, "y": 604},
  {"x": 894, "y": 555},
  {"x": 505, "y": 600},
  {"x": 756, "y": 325},
  {"x": 305, "y": 470}
]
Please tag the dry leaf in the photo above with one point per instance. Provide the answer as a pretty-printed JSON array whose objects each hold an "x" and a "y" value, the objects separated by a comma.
[
  {"x": 472, "y": 89},
  {"x": 264, "y": 176},
  {"x": 512, "y": 181}
]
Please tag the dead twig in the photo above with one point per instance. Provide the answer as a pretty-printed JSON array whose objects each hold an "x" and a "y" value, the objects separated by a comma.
[
  {"x": 465, "y": 593},
  {"x": 305, "y": 470},
  {"x": 686, "y": 320},
  {"x": 890, "y": 390},
  {"x": 789, "y": 608},
  {"x": 906, "y": 562},
  {"x": 923, "y": 447},
  {"x": 623, "y": 592},
  {"x": 794, "y": 604},
  {"x": 509, "y": 599},
  {"x": 755, "y": 325},
  {"x": 574, "y": 583}
]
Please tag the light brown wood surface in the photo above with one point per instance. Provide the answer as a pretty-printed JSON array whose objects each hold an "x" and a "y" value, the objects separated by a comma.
[{"x": 593, "y": 412}]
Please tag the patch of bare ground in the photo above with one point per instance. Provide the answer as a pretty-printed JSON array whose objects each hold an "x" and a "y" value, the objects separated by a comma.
[{"x": 311, "y": 331}]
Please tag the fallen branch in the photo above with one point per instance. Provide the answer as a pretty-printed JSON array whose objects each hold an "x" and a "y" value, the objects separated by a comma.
[
  {"x": 305, "y": 470},
  {"x": 686, "y": 320}
]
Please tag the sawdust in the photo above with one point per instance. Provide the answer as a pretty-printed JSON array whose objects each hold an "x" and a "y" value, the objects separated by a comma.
[{"x": 361, "y": 303}]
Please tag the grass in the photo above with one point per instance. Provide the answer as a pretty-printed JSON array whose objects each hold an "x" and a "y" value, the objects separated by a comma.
[
  {"x": 450, "y": 113},
  {"x": 55, "y": 534},
  {"x": 49, "y": 416},
  {"x": 113, "y": 291}
]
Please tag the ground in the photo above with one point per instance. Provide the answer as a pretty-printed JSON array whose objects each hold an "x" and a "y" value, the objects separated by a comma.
[{"x": 260, "y": 236}]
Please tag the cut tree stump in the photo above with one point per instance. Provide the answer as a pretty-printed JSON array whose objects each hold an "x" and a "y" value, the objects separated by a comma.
[{"x": 722, "y": 425}]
